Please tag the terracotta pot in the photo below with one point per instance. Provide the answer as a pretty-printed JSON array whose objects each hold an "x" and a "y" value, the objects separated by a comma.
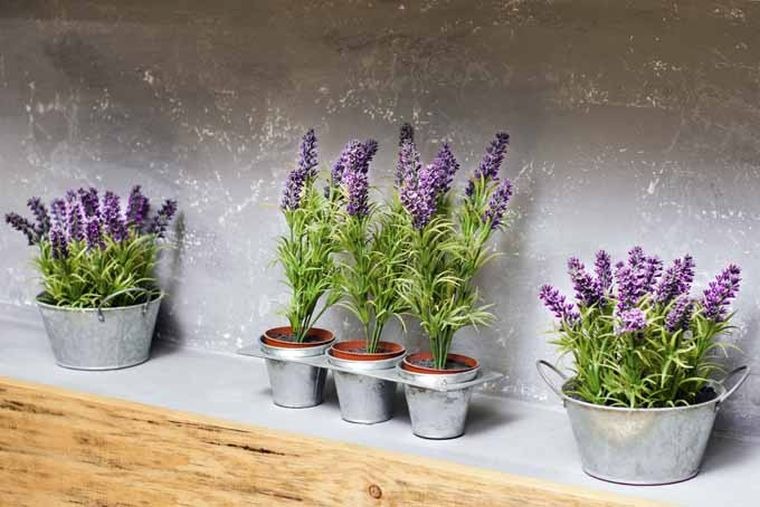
[
  {"x": 440, "y": 411},
  {"x": 314, "y": 338},
  {"x": 349, "y": 350},
  {"x": 294, "y": 384},
  {"x": 363, "y": 398},
  {"x": 411, "y": 363}
]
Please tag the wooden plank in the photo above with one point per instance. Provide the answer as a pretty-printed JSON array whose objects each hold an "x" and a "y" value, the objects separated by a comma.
[{"x": 59, "y": 447}]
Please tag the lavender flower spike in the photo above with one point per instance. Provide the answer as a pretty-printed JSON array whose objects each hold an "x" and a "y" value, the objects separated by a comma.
[
  {"x": 307, "y": 169},
  {"x": 679, "y": 316},
  {"x": 23, "y": 225},
  {"x": 74, "y": 221},
  {"x": 677, "y": 280},
  {"x": 632, "y": 320},
  {"x": 94, "y": 234},
  {"x": 348, "y": 156},
  {"x": 406, "y": 136},
  {"x": 417, "y": 189},
  {"x": 357, "y": 187},
  {"x": 307, "y": 161},
  {"x": 58, "y": 242},
  {"x": 603, "y": 271},
  {"x": 370, "y": 147},
  {"x": 557, "y": 304},
  {"x": 137, "y": 208},
  {"x": 489, "y": 166},
  {"x": 587, "y": 288},
  {"x": 160, "y": 222},
  {"x": 720, "y": 292},
  {"x": 90, "y": 203},
  {"x": 111, "y": 217},
  {"x": 40, "y": 214},
  {"x": 497, "y": 206}
]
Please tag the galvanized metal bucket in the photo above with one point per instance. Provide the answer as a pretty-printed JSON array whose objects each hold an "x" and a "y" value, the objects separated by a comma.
[
  {"x": 295, "y": 385},
  {"x": 647, "y": 446},
  {"x": 100, "y": 338},
  {"x": 436, "y": 414},
  {"x": 363, "y": 399}
]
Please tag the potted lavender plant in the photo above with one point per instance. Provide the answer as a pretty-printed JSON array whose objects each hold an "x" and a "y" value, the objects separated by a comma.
[
  {"x": 373, "y": 259},
  {"x": 448, "y": 246},
  {"x": 641, "y": 399},
  {"x": 100, "y": 296},
  {"x": 305, "y": 254}
]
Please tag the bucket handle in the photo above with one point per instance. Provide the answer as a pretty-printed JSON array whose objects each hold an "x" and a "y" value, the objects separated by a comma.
[
  {"x": 542, "y": 367},
  {"x": 744, "y": 371},
  {"x": 144, "y": 309}
]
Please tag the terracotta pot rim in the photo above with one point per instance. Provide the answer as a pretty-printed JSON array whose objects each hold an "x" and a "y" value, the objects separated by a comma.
[
  {"x": 459, "y": 358},
  {"x": 337, "y": 352},
  {"x": 325, "y": 336}
]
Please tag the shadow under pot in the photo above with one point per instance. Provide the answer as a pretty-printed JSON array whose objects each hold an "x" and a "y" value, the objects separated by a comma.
[
  {"x": 295, "y": 385},
  {"x": 100, "y": 338},
  {"x": 642, "y": 446},
  {"x": 440, "y": 411},
  {"x": 364, "y": 399}
]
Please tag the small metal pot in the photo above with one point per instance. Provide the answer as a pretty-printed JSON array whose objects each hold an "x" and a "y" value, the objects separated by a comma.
[
  {"x": 100, "y": 338},
  {"x": 438, "y": 414},
  {"x": 363, "y": 399},
  {"x": 295, "y": 385},
  {"x": 644, "y": 446}
]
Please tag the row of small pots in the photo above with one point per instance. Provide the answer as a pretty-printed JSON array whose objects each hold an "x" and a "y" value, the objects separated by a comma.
[{"x": 364, "y": 399}]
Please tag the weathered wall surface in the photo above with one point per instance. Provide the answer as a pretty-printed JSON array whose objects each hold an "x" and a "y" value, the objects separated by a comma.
[{"x": 631, "y": 122}]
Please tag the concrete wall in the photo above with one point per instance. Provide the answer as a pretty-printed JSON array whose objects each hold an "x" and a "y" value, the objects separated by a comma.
[{"x": 631, "y": 122}]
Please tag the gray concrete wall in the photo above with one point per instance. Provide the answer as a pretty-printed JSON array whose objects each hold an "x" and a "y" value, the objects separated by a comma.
[{"x": 631, "y": 122}]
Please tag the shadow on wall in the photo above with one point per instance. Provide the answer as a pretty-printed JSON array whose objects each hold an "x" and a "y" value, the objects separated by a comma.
[{"x": 168, "y": 327}]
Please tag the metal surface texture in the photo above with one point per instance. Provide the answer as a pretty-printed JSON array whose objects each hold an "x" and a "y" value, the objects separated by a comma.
[
  {"x": 643, "y": 446},
  {"x": 438, "y": 415},
  {"x": 294, "y": 384},
  {"x": 631, "y": 123},
  {"x": 100, "y": 339}
]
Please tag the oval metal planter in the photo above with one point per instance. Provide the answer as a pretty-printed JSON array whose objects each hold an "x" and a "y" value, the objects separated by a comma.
[
  {"x": 100, "y": 338},
  {"x": 295, "y": 385},
  {"x": 642, "y": 446},
  {"x": 363, "y": 399},
  {"x": 436, "y": 414}
]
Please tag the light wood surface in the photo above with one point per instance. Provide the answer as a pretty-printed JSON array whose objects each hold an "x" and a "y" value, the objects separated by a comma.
[{"x": 61, "y": 447}]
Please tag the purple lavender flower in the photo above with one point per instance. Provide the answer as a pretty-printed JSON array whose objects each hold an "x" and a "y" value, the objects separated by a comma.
[
  {"x": 111, "y": 217},
  {"x": 636, "y": 278},
  {"x": 719, "y": 293},
  {"x": 94, "y": 234},
  {"x": 558, "y": 305},
  {"x": 41, "y": 215},
  {"x": 75, "y": 221},
  {"x": 307, "y": 169},
  {"x": 603, "y": 271},
  {"x": 632, "y": 320},
  {"x": 649, "y": 271},
  {"x": 137, "y": 208},
  {"x": 680, "y": 314},
  {"x": 348, "y": 157},
  {"x": 629, "y": 290},
  {"x": 636, "y": 256},
  {"x": 58, "y": 242},
  {"x": 406, "y": 136},
  {"x": 370, "y": 147},
  {"x": 90, "y": 201},
  {"x": 357, "y": 185},
  {"x": 497, "y": 206},
  {"x": 445, "y": 165},
  {"x": 23, "y": 225},
  {"x": 161, "y": 220},
  {"x": 418, "y": 187},
  {"x": 677, "y": 280},
  {"x": 491, "y": 162},
  {"x": 587, "y": 288},
  {"x": 58, "y": 212}
]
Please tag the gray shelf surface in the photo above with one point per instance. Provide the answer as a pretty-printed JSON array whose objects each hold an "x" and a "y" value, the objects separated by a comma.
[{"x": 507, "y": 435}]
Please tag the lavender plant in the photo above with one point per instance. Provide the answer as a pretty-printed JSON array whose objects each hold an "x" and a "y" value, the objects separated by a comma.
[
  {"x": 372, "y": 243},
  {"x": 92, "y": 252},
  {"x": 449, "y": 240},
  {"x": 637, "y": 336},
  {"x": 305, "y": 253}
]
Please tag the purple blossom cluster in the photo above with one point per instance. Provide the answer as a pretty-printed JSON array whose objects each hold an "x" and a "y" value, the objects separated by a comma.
[
  {"x": 632, "y": 320},
  {"x": 406, "y": 135},
  {"x": 421, "y": 187},
  {"x": 497, "y": 205},
  {"x": 639, "y": 283},
  {"x": 558, "y": 305},
  {"x": 82, "y": 216},
  {"x": 306, "y": 170},
  {"x": 719, "y": 293},
  {"x": 491, "y": 162},
  {"x": 355, "y": 177}
]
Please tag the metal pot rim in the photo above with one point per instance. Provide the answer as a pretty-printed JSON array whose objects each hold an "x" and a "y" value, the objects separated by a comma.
[
  {"x": 48, "y": 306},
  {"x": 720, "y": 390}
]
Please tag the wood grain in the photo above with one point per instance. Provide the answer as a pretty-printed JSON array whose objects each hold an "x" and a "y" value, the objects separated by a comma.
[{"x": 60, "y": 447}]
